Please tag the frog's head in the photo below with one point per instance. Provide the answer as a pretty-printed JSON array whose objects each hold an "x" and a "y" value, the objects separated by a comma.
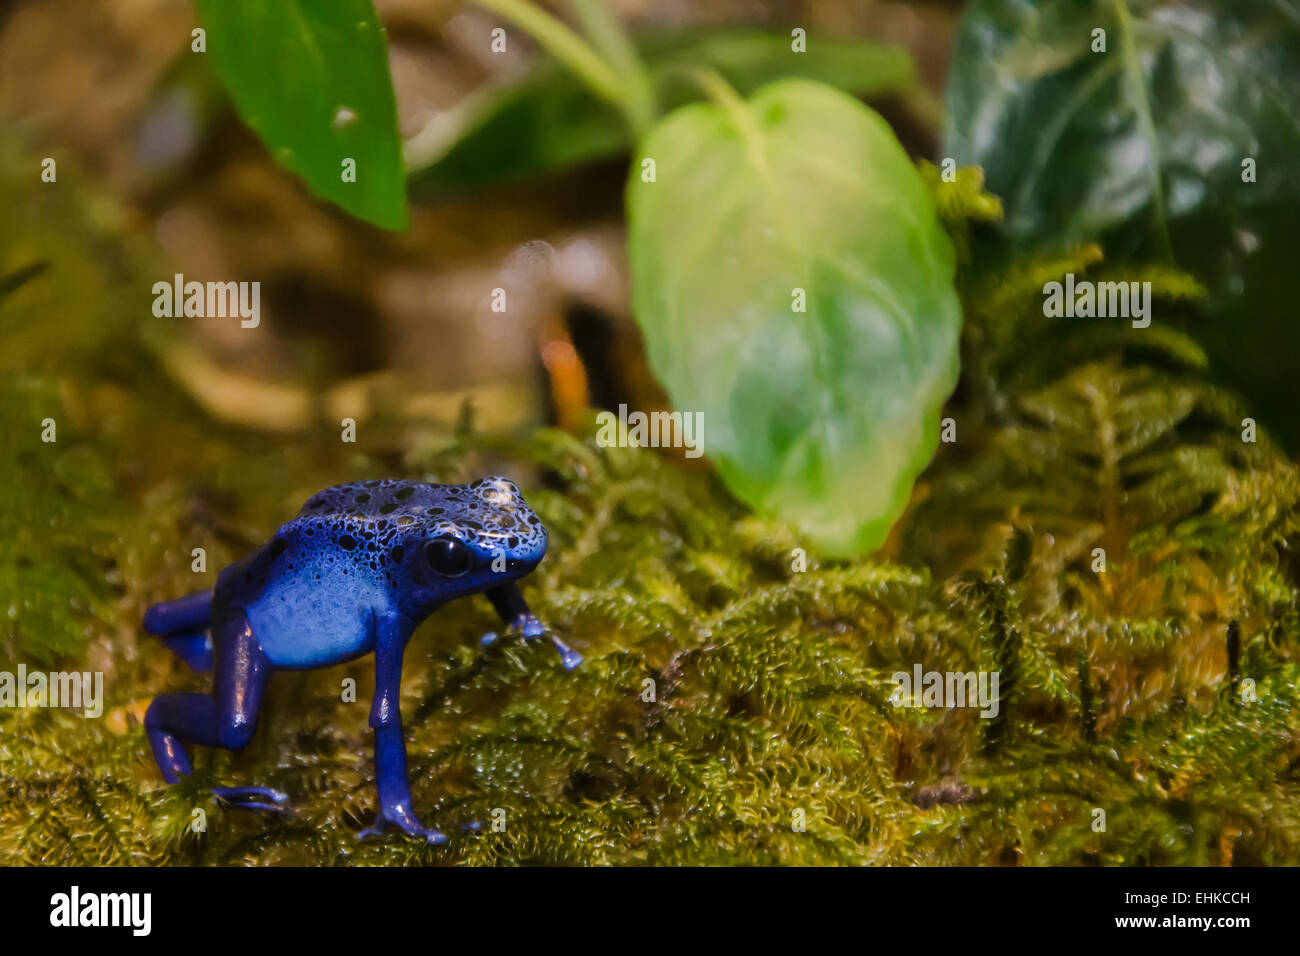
[{"x": 463, "y": 539}]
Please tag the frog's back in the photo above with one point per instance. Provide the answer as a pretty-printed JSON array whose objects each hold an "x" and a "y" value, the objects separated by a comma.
[{"x": 311, "y": 591}]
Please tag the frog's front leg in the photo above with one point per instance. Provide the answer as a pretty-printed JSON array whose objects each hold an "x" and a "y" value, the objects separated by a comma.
[
  {"x": 509, "y": 603},
  {"x": 391, "y": 634},
  {"x": 225, "y": 718}
]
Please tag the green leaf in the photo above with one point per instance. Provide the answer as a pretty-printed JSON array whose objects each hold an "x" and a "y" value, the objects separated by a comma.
[
  {"x": 549, "y": 120},
  {"x": 1141, "y": 146},
  {"x": 823, "y": 417},
  {"x": 312, "y": 80}
]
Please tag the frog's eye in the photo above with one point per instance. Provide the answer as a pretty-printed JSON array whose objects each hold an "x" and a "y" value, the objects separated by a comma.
[{"x": 448, "y": 557}]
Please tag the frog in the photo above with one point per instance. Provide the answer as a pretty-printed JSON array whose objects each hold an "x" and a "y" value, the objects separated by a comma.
[{"x": 354, "y": 573}]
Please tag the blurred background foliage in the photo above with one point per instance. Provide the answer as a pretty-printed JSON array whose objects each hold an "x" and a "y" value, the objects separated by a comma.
[
  {"x": 1168, "y": 132},
  {"x": 1123, "y": 690}
]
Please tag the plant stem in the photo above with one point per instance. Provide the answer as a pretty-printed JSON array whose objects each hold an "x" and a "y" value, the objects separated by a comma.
[
  {"x": 723, "y": 95},
  {"x": 714, "y": 85},
  {"x": 602, "y": 27},
  {"x": 566, "y": 46}
]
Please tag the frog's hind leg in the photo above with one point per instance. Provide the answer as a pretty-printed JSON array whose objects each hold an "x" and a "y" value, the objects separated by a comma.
[
  {"x": 190, "y": 613},
  {"x": 183, "y": 626},
  {"x": 194, "y": 649},
  {"x": 225, "y": 718}
]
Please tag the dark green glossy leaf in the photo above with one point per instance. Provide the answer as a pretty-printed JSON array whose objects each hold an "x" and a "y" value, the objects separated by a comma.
[
  {"x": 1141, "y": 146},
  {"x": 549, "y": 121},
  {"x": 312, "y": 80},
  {"x": 822, "y": 417}
]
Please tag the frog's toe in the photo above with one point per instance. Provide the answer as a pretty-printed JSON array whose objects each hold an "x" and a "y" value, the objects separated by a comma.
[
  {"x": 530, "y": 627},
  {"x": 435, "y": 837},
  {"x": 488, "y": 639},
  {"x": 407, "y": 823},
  {"x": 252, "y": 798}
]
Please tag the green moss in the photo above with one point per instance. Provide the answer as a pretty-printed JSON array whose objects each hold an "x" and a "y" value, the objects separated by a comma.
[{"x": 732, "y": 709}]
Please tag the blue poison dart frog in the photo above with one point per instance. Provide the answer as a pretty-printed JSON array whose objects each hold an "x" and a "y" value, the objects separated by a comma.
[{"x": 356, "y": 571}]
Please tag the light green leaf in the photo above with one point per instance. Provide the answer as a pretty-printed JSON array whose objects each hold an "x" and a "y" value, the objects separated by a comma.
[
  {"x": 549, "y": 120},
  {"x": 824, "y": 417},
  {"x": 312, "y": 80}
]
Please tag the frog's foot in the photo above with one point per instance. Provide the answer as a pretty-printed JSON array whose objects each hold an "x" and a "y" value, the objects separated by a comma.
[
  {"x": 525, "y": 624},
  {"x": 407, "y": 822},
  {"x": 531, "y": 628},
  {"x": 252, "y": 798}
]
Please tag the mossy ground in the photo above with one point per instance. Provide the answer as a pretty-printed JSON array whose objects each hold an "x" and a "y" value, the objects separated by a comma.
[{"x": 732, "y": 709}]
